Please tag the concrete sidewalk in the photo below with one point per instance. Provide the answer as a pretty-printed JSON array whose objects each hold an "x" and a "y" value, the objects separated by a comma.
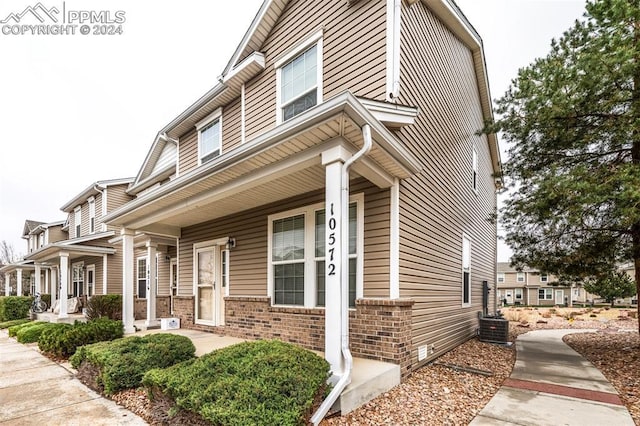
[
  {"x": 551, "y": 384},
  {"x": 35, "y": 390}
]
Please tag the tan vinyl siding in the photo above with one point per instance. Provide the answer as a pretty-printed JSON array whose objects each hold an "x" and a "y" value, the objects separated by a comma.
[
  {"x": 98, "y": 225},
  {"x": 231, "y": 126},
  {"x": 114, "y": 271},
  {"x": 116, "y": 197},
  {"x": 163, "y": 271},
  {"x": 57, "y": 234},
  {"x": 188, "y": 152},
  {"x": 248, "y": 260},
  {"x": 361, "y": 33},
  {"x": 438, "y": 205}
]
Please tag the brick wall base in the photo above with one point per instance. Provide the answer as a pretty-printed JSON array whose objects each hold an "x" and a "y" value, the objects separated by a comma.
[
  {"x": 163, "y": 307},
  {"x": 380, "y": 329}
]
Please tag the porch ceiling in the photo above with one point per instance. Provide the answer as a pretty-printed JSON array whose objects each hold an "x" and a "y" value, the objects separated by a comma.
[
  {"x": 279, "y": 164},
  {"x": 53, "y": 251}
]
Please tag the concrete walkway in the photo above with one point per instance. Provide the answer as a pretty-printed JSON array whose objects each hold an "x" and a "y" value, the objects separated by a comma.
[
  {"x": 36, "y": 391},
  {"x": 551, "y": 384}
]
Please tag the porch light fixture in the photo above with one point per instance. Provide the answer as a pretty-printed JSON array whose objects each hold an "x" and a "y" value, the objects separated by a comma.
[{"x": 231, "y": 243}]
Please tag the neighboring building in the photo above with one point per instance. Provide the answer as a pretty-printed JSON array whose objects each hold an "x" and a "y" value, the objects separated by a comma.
[
  {"x": 241, "y": 193},
  {"x": 28, "y": 277},
  {"x": 85, "y": 263},
  {"x": 531, "y": 287}
]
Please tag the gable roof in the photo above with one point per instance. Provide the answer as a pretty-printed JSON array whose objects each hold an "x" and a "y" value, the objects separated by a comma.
[
  {"x": 93, "y": 189},
  {"x": 159, "y": 164},
  {"x": 30, "y": 225}
]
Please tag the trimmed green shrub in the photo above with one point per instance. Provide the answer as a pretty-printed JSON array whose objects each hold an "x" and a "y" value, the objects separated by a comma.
[
  {"x": 108, "y": 305},
  {"x": 32, "y": 334},
  {"x": 258, "y": 383},
  {"x": 13, "y": 330},
  {"x": 63, "y": 342},
  {"x": 122, "y": 363},
  {"x": 14, "y": 307},
  {"x": 11, "y": 323}
]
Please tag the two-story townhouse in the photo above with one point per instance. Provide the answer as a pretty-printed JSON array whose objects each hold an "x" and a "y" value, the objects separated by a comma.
[
  {"x": 85, "y": 263},
  {"x": 30, "y": 277},
  {"x": 530, "y": 286},
  {"x": 332, "y": 190}
]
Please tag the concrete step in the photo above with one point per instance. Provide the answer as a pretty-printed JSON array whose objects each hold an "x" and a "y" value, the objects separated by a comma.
[{"x": 368, "y": 380}]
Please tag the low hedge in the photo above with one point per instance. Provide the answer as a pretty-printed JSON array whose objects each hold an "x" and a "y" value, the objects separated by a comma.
[
  {"x": 107, "y": 305},
  {"x": 14, "y": 307},
  {"x": 32, "y": 333},
  {"x": 7, "y": 324},
  {"x": 13, "y": 330},
  {"x": 258, "y": 383},
  {"x": 120, "y": 364},
  {"x": 63, "y": 342}
]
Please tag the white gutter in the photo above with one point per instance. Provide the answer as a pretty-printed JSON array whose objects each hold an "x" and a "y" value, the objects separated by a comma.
[{"x": 344, "y": 281}]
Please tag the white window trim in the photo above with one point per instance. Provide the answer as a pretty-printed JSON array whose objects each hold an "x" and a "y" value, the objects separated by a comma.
[
  {"x": 290, "y": 54},
  {"x": 518, "y": 275},
  {"x": 310, "y": 289},
  {"x": 76, "y": 265},
  {"x": 546, "y": 290},
  {"x": 500, "y": 277},
  {"x": 77, "y": 221},
  {"x": 546, "y": 278},
  {"x": 518, "y": 292},
  {"x": 91, "y": 267},
  {"x": 215, "y": 115},
  {"x": 465, "y": 269},
  {"x": 92, "y": 214},
  {"x": 146, "y": 274}
]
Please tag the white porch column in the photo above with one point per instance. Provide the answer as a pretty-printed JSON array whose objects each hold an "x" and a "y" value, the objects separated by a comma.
[
  {"x": 54, "y": 285},
  {"x": 18, "y": 282},
  {"x": 127, "y": 280},
  {"x": 47, "y": 272},
  {"x": 64, "y": 284},
  {"x": 7, "y": 284},
  {"x": 38, "y": 279},
  {"x": 104, "y": 274},
  {"x": 151, "y": 282},
  {"x": 333, "y": 160}
]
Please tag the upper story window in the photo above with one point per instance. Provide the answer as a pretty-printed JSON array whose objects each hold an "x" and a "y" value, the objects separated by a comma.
[
  {"x": 210, "y": 137},
  {"x": 41, "y": 240},
  {"x": 500, "y": 277},
  {"x": 92, "y": 215},
  {"x": 520, "y": 277},
  {"x": 544, "y": 278},
  {"x": 299, "y": 78},
  {"x": 77, "y": 220},
  {"x": 466, "y": 271}
]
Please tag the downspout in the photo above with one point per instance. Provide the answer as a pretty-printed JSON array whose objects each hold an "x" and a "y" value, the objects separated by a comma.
[{"x": 344, "y": 281}]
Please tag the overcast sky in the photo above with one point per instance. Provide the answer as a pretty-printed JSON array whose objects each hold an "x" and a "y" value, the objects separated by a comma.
[{"x": 75, "y": 109}]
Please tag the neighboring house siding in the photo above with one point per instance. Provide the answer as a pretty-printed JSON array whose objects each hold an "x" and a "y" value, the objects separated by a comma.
[
  {"x": 57, "y": 234},
  {"x": 116, "y": 197},
  {"x": 114, "y": 271},
  {"x": 188, "y": 151},
  {"x": 248, "y": 260},
  {"x": 231, "y": 126},
  {"x": 438, "y": 205},
  {"x": 167, "y": 157}
]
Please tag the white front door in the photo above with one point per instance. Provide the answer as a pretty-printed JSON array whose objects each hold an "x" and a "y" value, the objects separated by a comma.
[
  {"x": 509, "y": 297},
  {"x": 210, "y": 283},
  {"x": 559, "y": 297}
]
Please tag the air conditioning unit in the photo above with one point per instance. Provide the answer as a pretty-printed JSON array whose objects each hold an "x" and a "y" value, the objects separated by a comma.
[
  {"x": 169, "y": 323},
  {"x": 494, "y": 330}
]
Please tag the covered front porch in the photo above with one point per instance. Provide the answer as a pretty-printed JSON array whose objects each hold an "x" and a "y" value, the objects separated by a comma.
[
  {"x": 232, "y": 226},
  {"x": 76, "y": 269}
]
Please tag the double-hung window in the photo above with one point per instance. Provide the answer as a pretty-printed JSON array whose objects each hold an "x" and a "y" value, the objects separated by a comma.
[
  {"x": 500, "y": 277},
  {"x": 77, "y": 220},
  {"x": 299, "y": 78},
  {"x": 92, "y": 215},
  {"x": 545, "y": 294},
  {"x": 210, "y": 137},
  {"x": 142, "y": 278},
  {"x": 466, "y": 271},
  {"x": 520, "y": 277},
  {"x": 297, "y": 255},
  {"x": 544, "y": 278}
]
